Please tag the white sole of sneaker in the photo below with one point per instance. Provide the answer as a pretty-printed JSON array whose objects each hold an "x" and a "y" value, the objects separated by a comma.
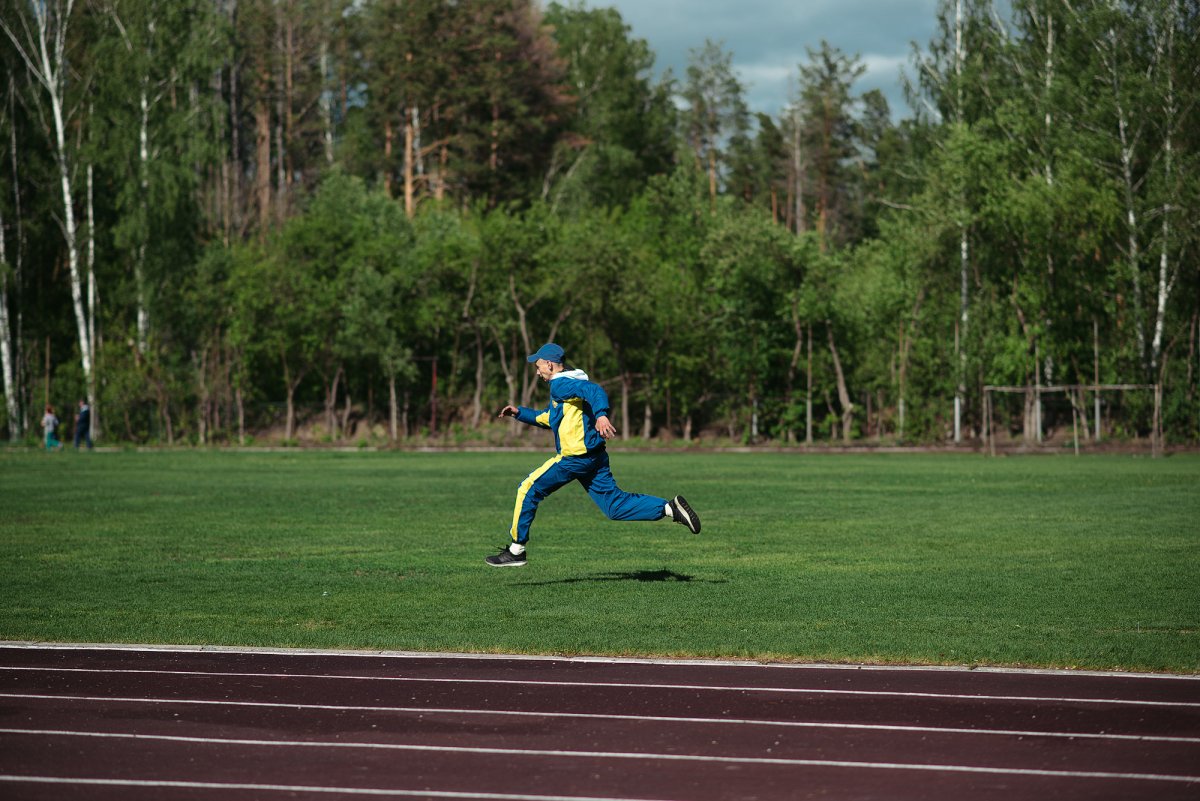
[{"x": 689, "y": 517}]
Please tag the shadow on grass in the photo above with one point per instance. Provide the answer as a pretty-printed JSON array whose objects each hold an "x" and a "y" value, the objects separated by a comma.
[{"x": 632, "y": 575}]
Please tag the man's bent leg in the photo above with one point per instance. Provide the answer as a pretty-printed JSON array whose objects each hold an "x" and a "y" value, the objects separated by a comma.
[
  {"x": 536, "y": 486},
  {"x": 616, "y": 502}
]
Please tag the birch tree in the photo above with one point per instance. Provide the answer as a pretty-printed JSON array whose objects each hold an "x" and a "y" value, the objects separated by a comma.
[
  {"x": 10, "y": 272},
  {"x": 161, "y": 47},
  {"x": 1175, "y": 109},
  {"x": 39, "y": 31},
  {"x": 12, "y": 402}
]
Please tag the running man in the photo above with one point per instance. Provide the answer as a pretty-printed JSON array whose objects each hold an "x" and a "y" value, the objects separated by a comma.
[{"x": 578, "y": 416}]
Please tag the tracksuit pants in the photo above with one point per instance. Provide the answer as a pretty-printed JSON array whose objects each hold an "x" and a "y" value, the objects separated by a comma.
[{"x": 593, "y": 473}]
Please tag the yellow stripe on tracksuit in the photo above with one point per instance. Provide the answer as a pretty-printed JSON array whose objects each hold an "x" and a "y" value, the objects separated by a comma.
[
  {"x": 571, "y": 429},
  {"x": 523, "y": 490}
]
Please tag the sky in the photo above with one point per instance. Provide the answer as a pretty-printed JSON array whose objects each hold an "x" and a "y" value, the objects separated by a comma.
[{"x": 768, "y": 39}]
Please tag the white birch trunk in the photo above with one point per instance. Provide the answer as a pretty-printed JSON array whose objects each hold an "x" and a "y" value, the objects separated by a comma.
[
  {"x": 1048, "y": 168},
  {"x": 44, "y": 54},
  {"x": 964, "y": 253},
  {"x": 93, "y": 299},
  {"x": 327, "y": 124},
  {"x": 1166, "y": 280},
  {"x": 11, "y": 403},
  {"x": 963, "y": 243},
  {"x": 17, "y": 423},
  {"x": 82, "y": 319},
  {"x": 143, "y": 311},
  {"x": 1131, "y": 219}
]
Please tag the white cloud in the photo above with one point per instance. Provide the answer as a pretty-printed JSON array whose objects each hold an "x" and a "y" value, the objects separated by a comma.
[{"x": 768, "y": 38}]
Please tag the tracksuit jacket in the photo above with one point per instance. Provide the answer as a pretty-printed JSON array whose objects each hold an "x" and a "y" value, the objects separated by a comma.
[{"x": 575, "y": 403}]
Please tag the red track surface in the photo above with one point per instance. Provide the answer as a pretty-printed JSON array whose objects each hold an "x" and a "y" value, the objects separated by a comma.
[{"x": 116, "y": 723}]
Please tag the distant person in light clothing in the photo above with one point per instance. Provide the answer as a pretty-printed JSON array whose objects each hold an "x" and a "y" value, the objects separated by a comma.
[{"x": 49, "y": 426}]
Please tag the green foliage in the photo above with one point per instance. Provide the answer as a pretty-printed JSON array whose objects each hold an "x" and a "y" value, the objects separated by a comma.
[
  {"x": 621, "y": 131},
  {"x": 316, "y": 205}
]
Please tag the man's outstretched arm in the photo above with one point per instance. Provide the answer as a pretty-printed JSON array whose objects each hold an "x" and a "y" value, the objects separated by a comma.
[{"x": 530, "y": 417}]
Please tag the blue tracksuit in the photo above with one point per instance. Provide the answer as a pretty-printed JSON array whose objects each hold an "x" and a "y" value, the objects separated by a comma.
[{"x": 575, "y": 403}]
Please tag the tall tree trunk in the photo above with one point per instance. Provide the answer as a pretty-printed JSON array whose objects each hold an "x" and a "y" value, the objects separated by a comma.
[
  {"x": 200, "y": 364},
  {"x": 960, "y": 328},
  {"x": 960, "y": 332},
  {"x": 404, "y": 416},
  {"x": 291, "y": 384},
  {"x": 409, "y": 158},
  {"x": 905, "y": 349},
  {"x": 93, "y": 303},
  {"x": 44, "y": 53},
  {"x": 139, "y": 262},
  {"x": 510, "y": 381},
  {"x": 389, "y": 136},
  {"x": 1128, "y": 142},
  {"x": 326, "y": 102},
  {"x": 331, "y": 404},
  {"x": 843, "y": 393},
  {"x": 798, "y": 172},
  {"x": 808, "y": 378},
  {"x": 234, "y": 199},
  {"x": 1166, "y": 276},
  {"x": 289, "y": 95},
  {"x": 11, "y": 402},
  {"x": 626, "y": 384},
  {"x": 439, "y": 191},
  {"x": 241, "y": 415},
  {"x": 347, "y": 405},
  {"x": 522, "y": 326},
  {"x": 262, "y": 166},
  {"x": 477, "y": 398},
  {"x": 16, "y": 409},
  {"x": 793, "y": 365},
  {"x": 281, "y": 114},
  {"x": 392, "y": 410}
]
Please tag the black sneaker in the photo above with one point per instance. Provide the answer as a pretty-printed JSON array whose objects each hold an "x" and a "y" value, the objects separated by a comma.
[
  {"x": 506, "y": 558},
  {"x": 683, "y": 514}
]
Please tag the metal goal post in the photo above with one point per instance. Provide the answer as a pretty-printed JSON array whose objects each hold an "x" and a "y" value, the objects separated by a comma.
[{"x": 1074, "y": 393}]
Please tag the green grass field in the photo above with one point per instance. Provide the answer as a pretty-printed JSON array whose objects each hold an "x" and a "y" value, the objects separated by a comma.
[{"x": 1089, "y": 562}]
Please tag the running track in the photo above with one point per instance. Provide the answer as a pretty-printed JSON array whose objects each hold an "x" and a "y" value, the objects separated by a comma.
[{"x": 109, "y": 722}]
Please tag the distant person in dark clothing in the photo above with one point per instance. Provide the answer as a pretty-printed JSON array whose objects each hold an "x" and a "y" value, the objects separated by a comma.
[{"x": 83, "y": 425}]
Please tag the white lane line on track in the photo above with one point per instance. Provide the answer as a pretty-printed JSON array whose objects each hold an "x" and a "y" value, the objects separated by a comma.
[
  {"x": 290, "y": 788},
  {"x": 605, "y": 660},
  {"x": 533, "y": 752},
  {"x": 602, "y": 716},
  {"x": 618, "y": 684}
]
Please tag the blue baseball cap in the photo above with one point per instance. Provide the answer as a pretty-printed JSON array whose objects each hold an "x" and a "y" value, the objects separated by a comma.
[{"x": 550, "y": 352}]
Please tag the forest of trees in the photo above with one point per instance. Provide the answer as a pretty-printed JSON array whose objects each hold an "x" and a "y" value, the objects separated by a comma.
[{"x": 349, "y": 221}]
